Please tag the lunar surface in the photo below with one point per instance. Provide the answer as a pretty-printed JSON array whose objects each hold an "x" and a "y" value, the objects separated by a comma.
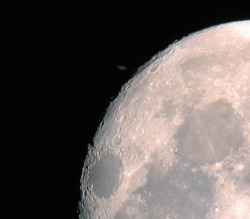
[{"x": 175, "y": 143}]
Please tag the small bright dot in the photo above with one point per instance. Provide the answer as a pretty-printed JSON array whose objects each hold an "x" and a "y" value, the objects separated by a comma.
[{"x": 240, "y": 167}]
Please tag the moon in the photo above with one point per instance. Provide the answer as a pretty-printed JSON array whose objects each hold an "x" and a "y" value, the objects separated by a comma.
[{"x": 175, "y": 142}]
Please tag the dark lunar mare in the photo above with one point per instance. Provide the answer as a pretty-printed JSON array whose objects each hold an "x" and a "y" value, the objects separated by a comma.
[
  {"x": 182, "y": 193},
  {"x": 209, "y": 135}
]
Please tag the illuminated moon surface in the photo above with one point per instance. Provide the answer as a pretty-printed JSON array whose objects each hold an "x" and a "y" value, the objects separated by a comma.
[{"x": 175, "y": 143}]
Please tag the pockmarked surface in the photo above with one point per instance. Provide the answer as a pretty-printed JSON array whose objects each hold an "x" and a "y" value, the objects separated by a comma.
[{"x": 175, "y": 143}]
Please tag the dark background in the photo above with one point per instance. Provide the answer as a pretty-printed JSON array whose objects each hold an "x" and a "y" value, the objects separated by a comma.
[{"x": 66, "y": 59}]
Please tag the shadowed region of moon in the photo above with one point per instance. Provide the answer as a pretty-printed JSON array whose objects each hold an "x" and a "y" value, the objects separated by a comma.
[
  {"x": 209, "y": 135},
  {"x": 105, "y": 176}
]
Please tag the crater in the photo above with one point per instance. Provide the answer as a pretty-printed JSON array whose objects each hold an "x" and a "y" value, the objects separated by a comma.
[
  {"x": 209, "y": 135},
  {"x": 106, "y": 175}
]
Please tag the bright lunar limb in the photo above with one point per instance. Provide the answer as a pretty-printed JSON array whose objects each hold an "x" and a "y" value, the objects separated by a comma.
[{"x": 175, "y": 143}]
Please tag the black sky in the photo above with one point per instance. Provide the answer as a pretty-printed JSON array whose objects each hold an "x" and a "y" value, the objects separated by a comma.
[{"x": 67, "y": 58}]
